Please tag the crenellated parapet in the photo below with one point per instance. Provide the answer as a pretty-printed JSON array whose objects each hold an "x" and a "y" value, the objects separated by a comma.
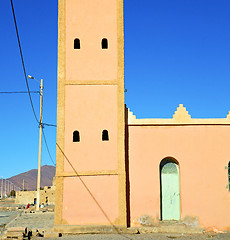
[
  {"x": 228, "y": 116},
  {"x": 180, "y": 117},
  {"x": 131, "y": 116}
]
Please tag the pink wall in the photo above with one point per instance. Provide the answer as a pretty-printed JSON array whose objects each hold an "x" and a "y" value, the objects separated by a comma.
[
  {"x": 80, "y": 208},
  {"x": 90, "y": 110},
  {"x": 91, "y": 106},
  {"x": 91, "y": 21},
  {"x": 202, "y": 153}
]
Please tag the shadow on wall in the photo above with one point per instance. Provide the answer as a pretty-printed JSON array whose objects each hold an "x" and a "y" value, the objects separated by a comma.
[{"x": 127, "y": 167}]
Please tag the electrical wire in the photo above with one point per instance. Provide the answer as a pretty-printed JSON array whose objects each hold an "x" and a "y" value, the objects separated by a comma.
[
  {"x": 49, "y": 125},
  {"x": 31, "y": 102},
  {"x": 27, "y": 84},
  {"x": 18, "y": 92},
  {"x": 47, "y": 147},
  {"x": 23, "y": 64},
  {"x": 91, "y": 194}
]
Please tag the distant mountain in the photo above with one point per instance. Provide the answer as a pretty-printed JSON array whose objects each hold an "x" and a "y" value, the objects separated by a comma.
[{"x": 30, "y": 178}]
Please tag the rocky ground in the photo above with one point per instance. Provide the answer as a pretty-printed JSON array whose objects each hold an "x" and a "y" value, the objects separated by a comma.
[
  {"x": 6, "y": 217},
  {"x": 14, "y": 216},
  {"x": 34, "y": 220}
]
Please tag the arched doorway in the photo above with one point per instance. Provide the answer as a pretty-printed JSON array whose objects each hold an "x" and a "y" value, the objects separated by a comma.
[{"x": 170, "y": 189}]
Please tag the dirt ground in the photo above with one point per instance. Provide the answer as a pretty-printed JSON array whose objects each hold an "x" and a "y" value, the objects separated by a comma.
[{"x": 155, "y": 236}]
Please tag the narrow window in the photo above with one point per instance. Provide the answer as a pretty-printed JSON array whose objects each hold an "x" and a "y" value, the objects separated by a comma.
[
  {"x": 229, "y": 176},
  {"x": 76, "y": 136},
  {"x": 76, "y": 43},
  {"x": 105, "y": 135},
  {"x": 104, "y": 43}
]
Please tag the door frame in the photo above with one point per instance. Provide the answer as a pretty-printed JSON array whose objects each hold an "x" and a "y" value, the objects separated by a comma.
[{"x": 161, "y": 165}]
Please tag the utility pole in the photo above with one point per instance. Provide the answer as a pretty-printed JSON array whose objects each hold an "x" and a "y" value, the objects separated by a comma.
[
  {"x": 23, "y": 184},
  {"x": 40, "y": 143},
  {"x": 11, "y": 188},
  {"x": 40, "y": 148},
  {"x": 5, "y": 187},
  {"x": 8, "y": 186},
  {"x": 2, "y": 187}
]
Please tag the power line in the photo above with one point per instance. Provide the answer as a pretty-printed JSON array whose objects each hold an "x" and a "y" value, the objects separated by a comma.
[
  {"x": 18, "y": 92},
  {"x": 27, "y": 84},
  {"x": 91, "y": 194},
  {"x": 31, "y": 102},
  {"x": 23, "y": 64},
  {"x": 49, "y": 125},
  {"x": 47, "y": 147}
]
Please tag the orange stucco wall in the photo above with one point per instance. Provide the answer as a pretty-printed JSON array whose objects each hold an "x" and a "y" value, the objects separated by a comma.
[
  {"x": 79, "y": 206},
  {"x": 90, "y": 100},
  {"x": 203, "y": 153},
  {"x": 90, "y": 110},
  {"x": 91, "y": 21}
]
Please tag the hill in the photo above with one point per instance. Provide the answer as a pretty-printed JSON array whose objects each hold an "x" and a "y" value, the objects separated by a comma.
[{"x": 30, "y": 178}]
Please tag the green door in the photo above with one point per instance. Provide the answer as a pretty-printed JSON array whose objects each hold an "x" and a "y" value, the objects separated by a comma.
[{"x": 170, "y": 192}]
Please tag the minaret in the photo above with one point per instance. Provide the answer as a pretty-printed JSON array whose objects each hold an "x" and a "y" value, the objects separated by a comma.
[{"x": 90, "y": 114}]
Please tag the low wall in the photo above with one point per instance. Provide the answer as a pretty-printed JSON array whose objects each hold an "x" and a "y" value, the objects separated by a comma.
[{"x": 46, "y": 196}]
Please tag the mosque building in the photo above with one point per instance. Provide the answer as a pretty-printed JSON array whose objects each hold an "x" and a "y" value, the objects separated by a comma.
[{"x": 113, "y": 168}]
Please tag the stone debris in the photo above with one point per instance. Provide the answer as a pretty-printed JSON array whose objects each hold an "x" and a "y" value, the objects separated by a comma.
[
  {"x": 191, "y": 221},
  {"x": 15, "y": 233},
  {"x": 146, "y": 220},
  {"x": 52, "y": 235},
  {"x": 25, "y": 233}
]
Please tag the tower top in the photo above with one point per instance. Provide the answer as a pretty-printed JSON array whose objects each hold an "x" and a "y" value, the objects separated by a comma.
[{"x": 93, "y": 37}]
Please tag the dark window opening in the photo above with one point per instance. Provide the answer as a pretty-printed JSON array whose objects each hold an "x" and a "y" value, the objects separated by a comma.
[
  {"x": 76, "y": 136},
  {"x": 105, "y": 135},
  {"x": 77, "y": 43},
  {"x": 104, "y": 43}
]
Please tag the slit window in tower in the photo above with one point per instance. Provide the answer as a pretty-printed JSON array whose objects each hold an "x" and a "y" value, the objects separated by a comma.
[
  {"x": 77, "y": 43},
  {"x": 104, "y": 43},
  {"x": 105, "y": 135},
  {"x": 76, "y": 136}
]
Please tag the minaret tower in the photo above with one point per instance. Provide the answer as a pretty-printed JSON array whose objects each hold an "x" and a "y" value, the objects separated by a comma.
[{"x": 90, "y": 114}]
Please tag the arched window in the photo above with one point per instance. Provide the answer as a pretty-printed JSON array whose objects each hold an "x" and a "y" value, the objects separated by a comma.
[
  {"x": 104, "y": 43},
  {"x": 105, "y": 135},
  {"x": 77, "y": 44},
  {"x": 76, "y": 136}
]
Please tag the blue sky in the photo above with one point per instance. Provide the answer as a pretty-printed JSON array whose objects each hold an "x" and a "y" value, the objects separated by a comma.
[{"x": 176, "y": 51}]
